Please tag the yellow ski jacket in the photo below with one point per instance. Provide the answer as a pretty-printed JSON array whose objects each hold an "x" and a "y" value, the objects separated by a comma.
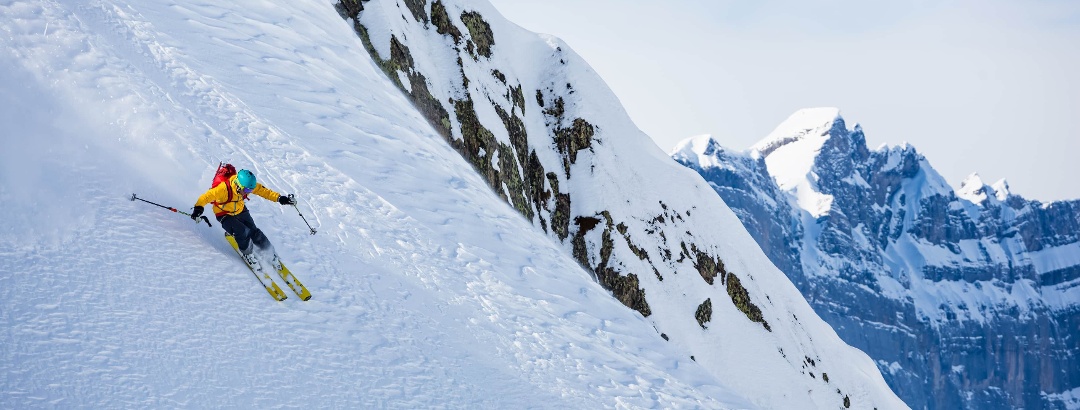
[{"x": 226, "y": 203}]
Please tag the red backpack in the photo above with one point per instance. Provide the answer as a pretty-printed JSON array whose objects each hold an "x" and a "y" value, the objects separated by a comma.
[{"x": 222, "y": 176}]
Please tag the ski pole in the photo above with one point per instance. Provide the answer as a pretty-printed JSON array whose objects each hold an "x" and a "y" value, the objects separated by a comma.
[
  {"x": 292, "y": 198},
  {"x": 133, "y": 198}
]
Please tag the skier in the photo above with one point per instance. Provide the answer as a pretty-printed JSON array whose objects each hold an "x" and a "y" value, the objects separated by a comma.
[{"x": 228, "y": 199}]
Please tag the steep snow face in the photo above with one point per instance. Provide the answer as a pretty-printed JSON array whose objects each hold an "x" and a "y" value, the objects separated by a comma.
[
  {"x": 909, "y": 270},
  {"x": 550, "y": 138},
  {"x": 790, "y": 150},
  {"x": 429, "y": 291}
]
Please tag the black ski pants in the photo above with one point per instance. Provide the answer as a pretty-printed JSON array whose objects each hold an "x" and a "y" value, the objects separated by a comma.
[{"x": 243, "y": 228}]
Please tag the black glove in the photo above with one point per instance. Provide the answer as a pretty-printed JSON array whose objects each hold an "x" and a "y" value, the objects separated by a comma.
[
  {"x": 285, "y": 200},
  {"x": 196, "y": 213}
]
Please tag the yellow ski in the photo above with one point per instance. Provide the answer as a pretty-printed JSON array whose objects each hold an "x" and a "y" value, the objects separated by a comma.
[
  {"x": 272, "y": 288},
  {"x": 294, "y": 283}
]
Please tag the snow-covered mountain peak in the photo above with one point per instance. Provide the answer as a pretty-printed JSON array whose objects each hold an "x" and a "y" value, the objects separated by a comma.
[
  {"x": 1001, "y": 189},
  {"x": 805, "y": 126},
  {"x": 696, "y": 145},
  {"x": 972, "y": 188},
  {"x": 898, "y": 156},
  {"x": 904, "y": 263},
  {"x": 792, "y": 149},
  {"x": 701, "y": 150},
  {"x": 975, "y": 190}
]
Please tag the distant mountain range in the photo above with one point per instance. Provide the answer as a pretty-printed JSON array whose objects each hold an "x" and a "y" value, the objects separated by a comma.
[{"x": 966, "y": 298}]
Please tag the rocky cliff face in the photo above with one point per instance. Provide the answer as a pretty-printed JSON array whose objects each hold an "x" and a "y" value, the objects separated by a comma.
[
  {"x": 966, "y": 299},
  {"x": 548, "y": 136}
]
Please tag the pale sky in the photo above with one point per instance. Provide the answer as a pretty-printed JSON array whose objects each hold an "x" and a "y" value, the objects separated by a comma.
[{"x": 976, "y": 86}]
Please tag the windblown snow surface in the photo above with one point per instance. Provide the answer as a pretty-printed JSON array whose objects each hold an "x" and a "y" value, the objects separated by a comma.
[{"x": 429, "y": 291}]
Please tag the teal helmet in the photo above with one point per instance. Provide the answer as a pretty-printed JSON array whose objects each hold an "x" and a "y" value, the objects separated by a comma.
[{"x": 246, "y": 179}]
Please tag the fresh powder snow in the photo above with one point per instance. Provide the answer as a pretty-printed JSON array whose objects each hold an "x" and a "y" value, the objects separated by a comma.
[{"x": 429, "y": 290}]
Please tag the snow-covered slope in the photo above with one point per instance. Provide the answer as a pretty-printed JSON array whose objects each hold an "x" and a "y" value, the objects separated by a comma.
[
  {"x": 905, "y": 268},
  {"x": 550, "y": 137},
  {"x": 429, "y": 290}
]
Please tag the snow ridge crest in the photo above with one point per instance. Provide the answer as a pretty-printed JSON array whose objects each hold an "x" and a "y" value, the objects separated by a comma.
[{"x": 803, "y": 124}]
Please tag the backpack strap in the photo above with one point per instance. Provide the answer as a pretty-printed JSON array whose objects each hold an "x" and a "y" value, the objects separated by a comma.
[{"x": 229, "y": 189}]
